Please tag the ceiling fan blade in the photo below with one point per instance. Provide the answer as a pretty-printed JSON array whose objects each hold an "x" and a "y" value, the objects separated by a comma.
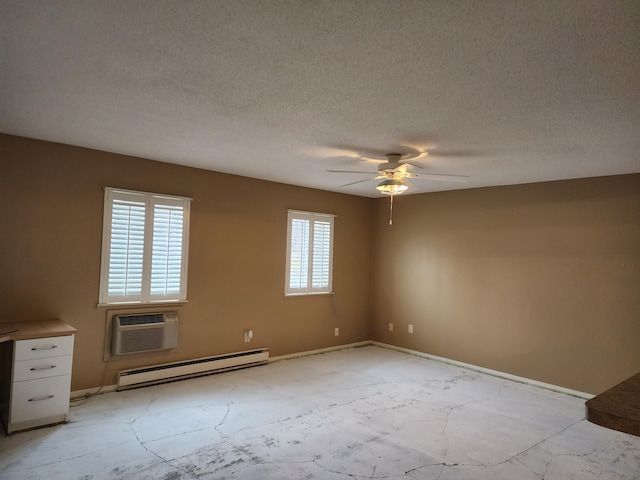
[
  {"x": 351, "y": 171},
  {"x": 413, "y": 184},
  {"x": 414, "y": 165},
  {"x": 439, "y": 177},
  {"x": 359, "y": 181},
  {"x": 370, "y": 159}
]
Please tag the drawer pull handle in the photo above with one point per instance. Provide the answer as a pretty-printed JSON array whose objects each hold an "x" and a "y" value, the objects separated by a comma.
[
  {"x": 43, "y": 397},
  {"x": 48, "y": 367},
  {"x": 48, "y": 347}
]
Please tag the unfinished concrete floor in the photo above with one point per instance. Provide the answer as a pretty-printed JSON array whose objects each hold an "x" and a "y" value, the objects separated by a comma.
[{"x": 363, "y": 413}]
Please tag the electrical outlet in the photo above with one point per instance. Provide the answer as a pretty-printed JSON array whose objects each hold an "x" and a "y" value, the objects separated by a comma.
[
  {"x": 248, "y": 335},
  {"x": 410, "y": 328},
  {"x": 391, "y": 327},
  {"x": 337, "y": 331}
]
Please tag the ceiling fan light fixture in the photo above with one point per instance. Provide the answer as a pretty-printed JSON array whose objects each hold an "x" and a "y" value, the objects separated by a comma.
[{"x": 392, "y": 186}]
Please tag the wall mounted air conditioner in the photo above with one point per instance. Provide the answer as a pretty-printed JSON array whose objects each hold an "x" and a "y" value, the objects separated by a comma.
[{"x": 144, "y": 332}]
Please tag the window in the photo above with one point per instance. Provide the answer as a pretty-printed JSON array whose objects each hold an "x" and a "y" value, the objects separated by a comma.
[
  {"x": 309, "y": 253},
  {"x": 145, "y": 242}
]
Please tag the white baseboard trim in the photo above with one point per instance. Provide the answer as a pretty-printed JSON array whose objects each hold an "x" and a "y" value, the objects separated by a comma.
[
  {"x": 80, "y": 394},
  {"x": 488, "y": 371},
  {"x": 307, "y": 353}
]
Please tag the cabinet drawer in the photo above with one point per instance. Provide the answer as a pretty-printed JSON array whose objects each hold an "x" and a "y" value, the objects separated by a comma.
[
  {"x": 44, "y": 397},
  {"x": 41, "y": 368},
  {"x": 44, "y": 347}
]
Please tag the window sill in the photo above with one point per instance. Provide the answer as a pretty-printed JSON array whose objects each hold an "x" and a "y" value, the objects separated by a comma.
[
  {"x": 301, "y": 295},
  {"x": 158, "y": 303}
]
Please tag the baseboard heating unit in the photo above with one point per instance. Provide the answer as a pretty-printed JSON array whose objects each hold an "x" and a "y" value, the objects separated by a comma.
[{"x": 168, "y": 372}]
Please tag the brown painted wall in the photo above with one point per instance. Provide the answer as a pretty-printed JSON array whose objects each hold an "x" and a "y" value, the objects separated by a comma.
[
  {"x": 50, "y": 249},
  {"x": 539, "y": 280}
]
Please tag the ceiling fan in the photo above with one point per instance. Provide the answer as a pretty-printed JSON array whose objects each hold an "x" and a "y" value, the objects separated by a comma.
[{"x": 394, "y": 172}]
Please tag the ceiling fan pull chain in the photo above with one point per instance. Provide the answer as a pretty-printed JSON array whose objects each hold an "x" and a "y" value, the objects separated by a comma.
[{"x": 391, "y": 210}]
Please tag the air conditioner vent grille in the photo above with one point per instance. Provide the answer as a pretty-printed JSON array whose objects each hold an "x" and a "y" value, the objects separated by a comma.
[
  {"x": 141, "y": 340},
  {"x": 127, "y": 320},
  {"x": 146, "y": 332}
]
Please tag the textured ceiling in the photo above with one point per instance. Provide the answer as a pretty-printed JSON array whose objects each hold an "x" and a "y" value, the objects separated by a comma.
[{"x": 504, "y": 92}]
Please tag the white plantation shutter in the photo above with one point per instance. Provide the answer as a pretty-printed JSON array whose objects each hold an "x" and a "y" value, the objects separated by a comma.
[
  {"x": 309, "y": 253},
  {"x": 145, "y": 242},
  {"x": 321, "y": 254},
  {"x": 299, "y": 268},
  {"x": 127, "y": 248},
  {"x": 166, "y": 258}
]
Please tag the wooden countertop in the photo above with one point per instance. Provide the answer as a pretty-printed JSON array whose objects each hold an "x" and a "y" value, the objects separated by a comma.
[
  {"x": 35, "y": 329},
  {"x": 618, "y": 408}
]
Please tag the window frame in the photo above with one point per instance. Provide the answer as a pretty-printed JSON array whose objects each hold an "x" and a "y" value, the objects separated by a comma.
[
  {"x": 312, "y": 218},
  {"x": 150, "y": 200}
]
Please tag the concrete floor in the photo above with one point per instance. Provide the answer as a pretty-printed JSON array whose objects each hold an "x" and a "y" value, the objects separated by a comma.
[{"x": 363, "y": 413}]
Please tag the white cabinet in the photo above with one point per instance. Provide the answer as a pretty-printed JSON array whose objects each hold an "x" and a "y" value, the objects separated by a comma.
[{"x": 41, "y": 382}]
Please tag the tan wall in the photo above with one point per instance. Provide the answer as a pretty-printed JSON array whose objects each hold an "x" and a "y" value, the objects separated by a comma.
[
  {"x": 51, "y": 243},
  {"x": 536, "y": 280},
  {"x": 539, "y": 280}
]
